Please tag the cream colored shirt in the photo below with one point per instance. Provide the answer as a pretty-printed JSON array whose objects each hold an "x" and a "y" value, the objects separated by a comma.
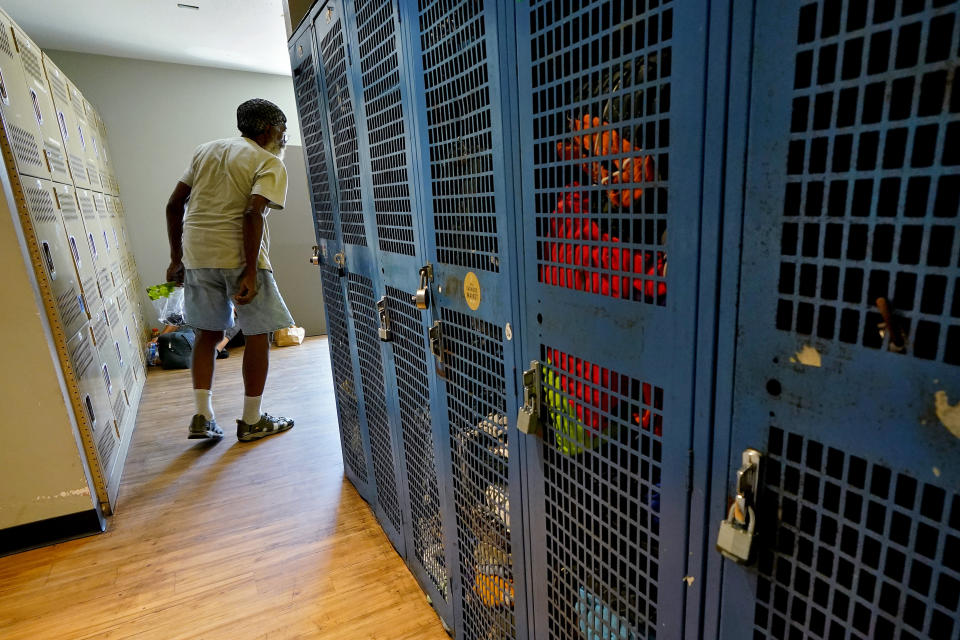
[{"x": 222, "y": 176}]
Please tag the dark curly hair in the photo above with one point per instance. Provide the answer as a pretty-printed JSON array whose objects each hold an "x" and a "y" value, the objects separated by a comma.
[{"x": 254, "y": 116}]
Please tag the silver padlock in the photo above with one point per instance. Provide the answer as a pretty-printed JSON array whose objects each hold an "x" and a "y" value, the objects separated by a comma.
[
  {"x": 422, "y": 298},
  {"x": 528, "y": 418},
  {"x": 735, "y": 540}
]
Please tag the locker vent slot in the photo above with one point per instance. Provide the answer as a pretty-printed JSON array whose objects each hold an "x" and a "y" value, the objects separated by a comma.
[
  {"x": 385, "y": 125},
  {"x": 101, "y": 333},
  {"x": 78, "y": 107},
  {"x": 105, "y": 282},
  {"x": 68, "y": 206},
  {"x": 871, "y": 201},
  {"x": 106, "y": 446},
  {"x": 119, "y": 408},
  {"x": 93, "y": 175},
  {"x": 81, "y": 357},
  {"x": 129, "y": 380},
  {"x": 25, "y": 145},
  {"x": 5, "y": 45},
  {"x": 100, "y": 204},
  {"x": 860, "y": 551},
  {"x": 68, "y": 304},
  {"x": 87, "y": 207},
  {"x": 58, "y": 164},
  {"x": 459, "y": 120},
  {"x": 476, "y": 406},
  {"x": 31, "y": 63},
  {"x": 351, "y": 437},
  {"x": 122, "y": 303},
  {"x": 112, "y": 316},
  {"x": 601, "y": 128},
  {"x": 41, "y": 204},
  {"x": 374, "y": 396},
  {"x": 89, "y": 285},
  {"x": 305, "y": 88},
  {"x": 410, "y": 357},
  {"x": 344, "y": 132},
  {"x": 59, "y": 88},
  {"x": 602, "y": 467}
]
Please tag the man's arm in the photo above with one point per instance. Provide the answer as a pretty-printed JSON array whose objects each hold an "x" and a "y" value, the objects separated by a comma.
[
  {"x": 252, "y": 238},
  {"x": 175, "y": 207}
]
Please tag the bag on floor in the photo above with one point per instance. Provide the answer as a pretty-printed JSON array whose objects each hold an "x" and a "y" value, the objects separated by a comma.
[
  {"x": 176, "y": 349},
  {"x": 289, "y": 337}
]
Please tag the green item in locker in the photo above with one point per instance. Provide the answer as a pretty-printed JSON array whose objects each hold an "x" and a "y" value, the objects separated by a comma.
[{"x": 571, "y": 436}]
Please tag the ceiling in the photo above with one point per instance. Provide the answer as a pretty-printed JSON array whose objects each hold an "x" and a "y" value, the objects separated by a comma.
[{"x": 247, "y": 35}]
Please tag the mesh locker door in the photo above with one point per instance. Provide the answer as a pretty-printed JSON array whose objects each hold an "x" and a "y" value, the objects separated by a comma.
[
  {"x": 365, "y": 324},
  {"x": 67, "y": 123},
  {"x": 19, "y": 115},
  {"x": 458, "y": 104},
  {"x": 42, "y": 102},
  {"x": 849, "y": 338},
  {"x": 353, "y": 437},
  {"x": 611, "y": 104},
  {"x": 55, "y": 254},
  {"x": 426, "y": 512},
  {"x": 310, "y": 107}
]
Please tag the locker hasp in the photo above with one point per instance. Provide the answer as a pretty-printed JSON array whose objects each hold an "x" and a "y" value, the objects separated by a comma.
[
  {"x": 386, "y": 335},
  {"x": 422, "y": 299},
  {"x": 738, "y": 532},
  {"x": 528, "y": 418}
]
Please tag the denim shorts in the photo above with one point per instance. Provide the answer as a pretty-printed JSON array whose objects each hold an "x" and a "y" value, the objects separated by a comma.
[{"x": 208, "y": 302}]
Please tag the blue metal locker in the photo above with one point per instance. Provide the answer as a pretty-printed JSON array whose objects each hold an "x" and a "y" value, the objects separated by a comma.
[
  {"x": 848, "y": 337},
  {"x": 460, "y": 100},
  {"x": 611, "y": 109}
]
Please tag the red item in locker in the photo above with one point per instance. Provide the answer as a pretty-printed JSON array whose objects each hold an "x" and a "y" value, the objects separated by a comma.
[
  {"x": 588, "y": 383},
  {"x": 586, "y": 259},
  {"x": 630, "y": 170}
]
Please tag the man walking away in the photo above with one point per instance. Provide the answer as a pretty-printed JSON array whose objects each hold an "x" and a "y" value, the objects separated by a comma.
[{"x": 219, "y": 252}]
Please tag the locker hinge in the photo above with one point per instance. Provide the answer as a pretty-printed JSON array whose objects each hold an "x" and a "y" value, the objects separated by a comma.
[
  {"x": 422, "y": 299},
  {"x": 386, "y": 335},
  {"x": 528, "y": 419}
]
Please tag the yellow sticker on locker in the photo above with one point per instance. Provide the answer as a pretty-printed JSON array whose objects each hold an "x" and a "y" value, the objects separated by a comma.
[{"x": 471, "y": 290}]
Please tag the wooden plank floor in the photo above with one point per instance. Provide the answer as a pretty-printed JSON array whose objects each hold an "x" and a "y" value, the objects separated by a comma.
[{"x": 262, "y": 540}]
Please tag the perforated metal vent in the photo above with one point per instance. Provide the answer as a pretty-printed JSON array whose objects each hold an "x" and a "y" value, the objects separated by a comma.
[
  {"x": 413, "y": 391},
  {"x": 602, "y": 471},
  {"x": 601, "y": 122},
  {"x": 305, "y": 89},
  {"x": 365, "y": 321},
  {"x": 101, "y": 331},
  {"x": 77, "y": 168},
  {"x": 5, "y": 46},
  {"x": 870, "y": 232},
  {"x": 457, "y": 83},
  {"x": 81, "y": 357},
  {"x": 351, "y": 438},
  {"x": 68, "y": 205},
  {"x": 106, "y": 445},
  {"x": 87, "y": 208},
  {"x": 119, "y": 408},
  {"x": 476, "y": 406},
  {"x": 59, "y": 88},
  {"x": 68, "y": 304},
  {"x": 344, "y": 132},
  {"x": 32, "y": 65},
  {"x": 129, "y": 379},
  {"x": 861, "y": 551},
  {"x": 24, "y": 145},
  {"x": 93, "y": 175},
  {"x": 40, "y": 202},
  {"x": 385, "y": 125},
  {"x": 58, "y": 164}
]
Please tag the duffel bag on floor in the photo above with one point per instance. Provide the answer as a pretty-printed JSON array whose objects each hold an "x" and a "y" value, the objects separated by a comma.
[{"x": 176, "y": 349}]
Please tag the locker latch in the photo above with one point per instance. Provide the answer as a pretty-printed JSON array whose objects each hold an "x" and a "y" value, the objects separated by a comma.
[
  {"x": 738, "y": 532},
  {"x": 386, "y": 335},
  {"x": 341, "y": 261},
  {"x": 422, "y": 299},
  {"x": 436, "y": 341},
  {"x": 528, "y": 419},
  {"x": 315, "y": 258}
]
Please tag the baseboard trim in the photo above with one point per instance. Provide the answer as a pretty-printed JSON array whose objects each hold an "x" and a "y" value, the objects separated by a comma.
[{"x": 46, "y": 532}]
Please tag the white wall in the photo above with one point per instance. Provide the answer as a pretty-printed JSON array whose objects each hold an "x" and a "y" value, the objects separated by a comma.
[
  {"x": 156, "y": 114},
  {"x": 42, "y": 474}
]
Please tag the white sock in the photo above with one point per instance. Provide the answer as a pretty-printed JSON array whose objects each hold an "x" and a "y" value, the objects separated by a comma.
[
  {"x": 251, "y": 409},
  {"x": 204, "y": 400}
]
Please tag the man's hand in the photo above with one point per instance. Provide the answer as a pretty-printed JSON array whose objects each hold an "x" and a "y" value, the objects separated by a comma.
[
  {"x": 175, "y": 272},
  {"x": 246, "y": 287}
]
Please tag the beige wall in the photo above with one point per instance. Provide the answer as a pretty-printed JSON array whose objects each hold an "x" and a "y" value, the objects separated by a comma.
[
  {"x": 42, "y": 474},
  {"x": 156, "y": 114}
]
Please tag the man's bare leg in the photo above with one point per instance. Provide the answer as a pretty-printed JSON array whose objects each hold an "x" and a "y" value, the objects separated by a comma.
[{"x": 203, "y": 424}]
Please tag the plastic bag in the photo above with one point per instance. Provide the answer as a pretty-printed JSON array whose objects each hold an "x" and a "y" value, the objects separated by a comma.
[
  {"x": 171, "y": 308},
  {"x": 289, "y": 337}
]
